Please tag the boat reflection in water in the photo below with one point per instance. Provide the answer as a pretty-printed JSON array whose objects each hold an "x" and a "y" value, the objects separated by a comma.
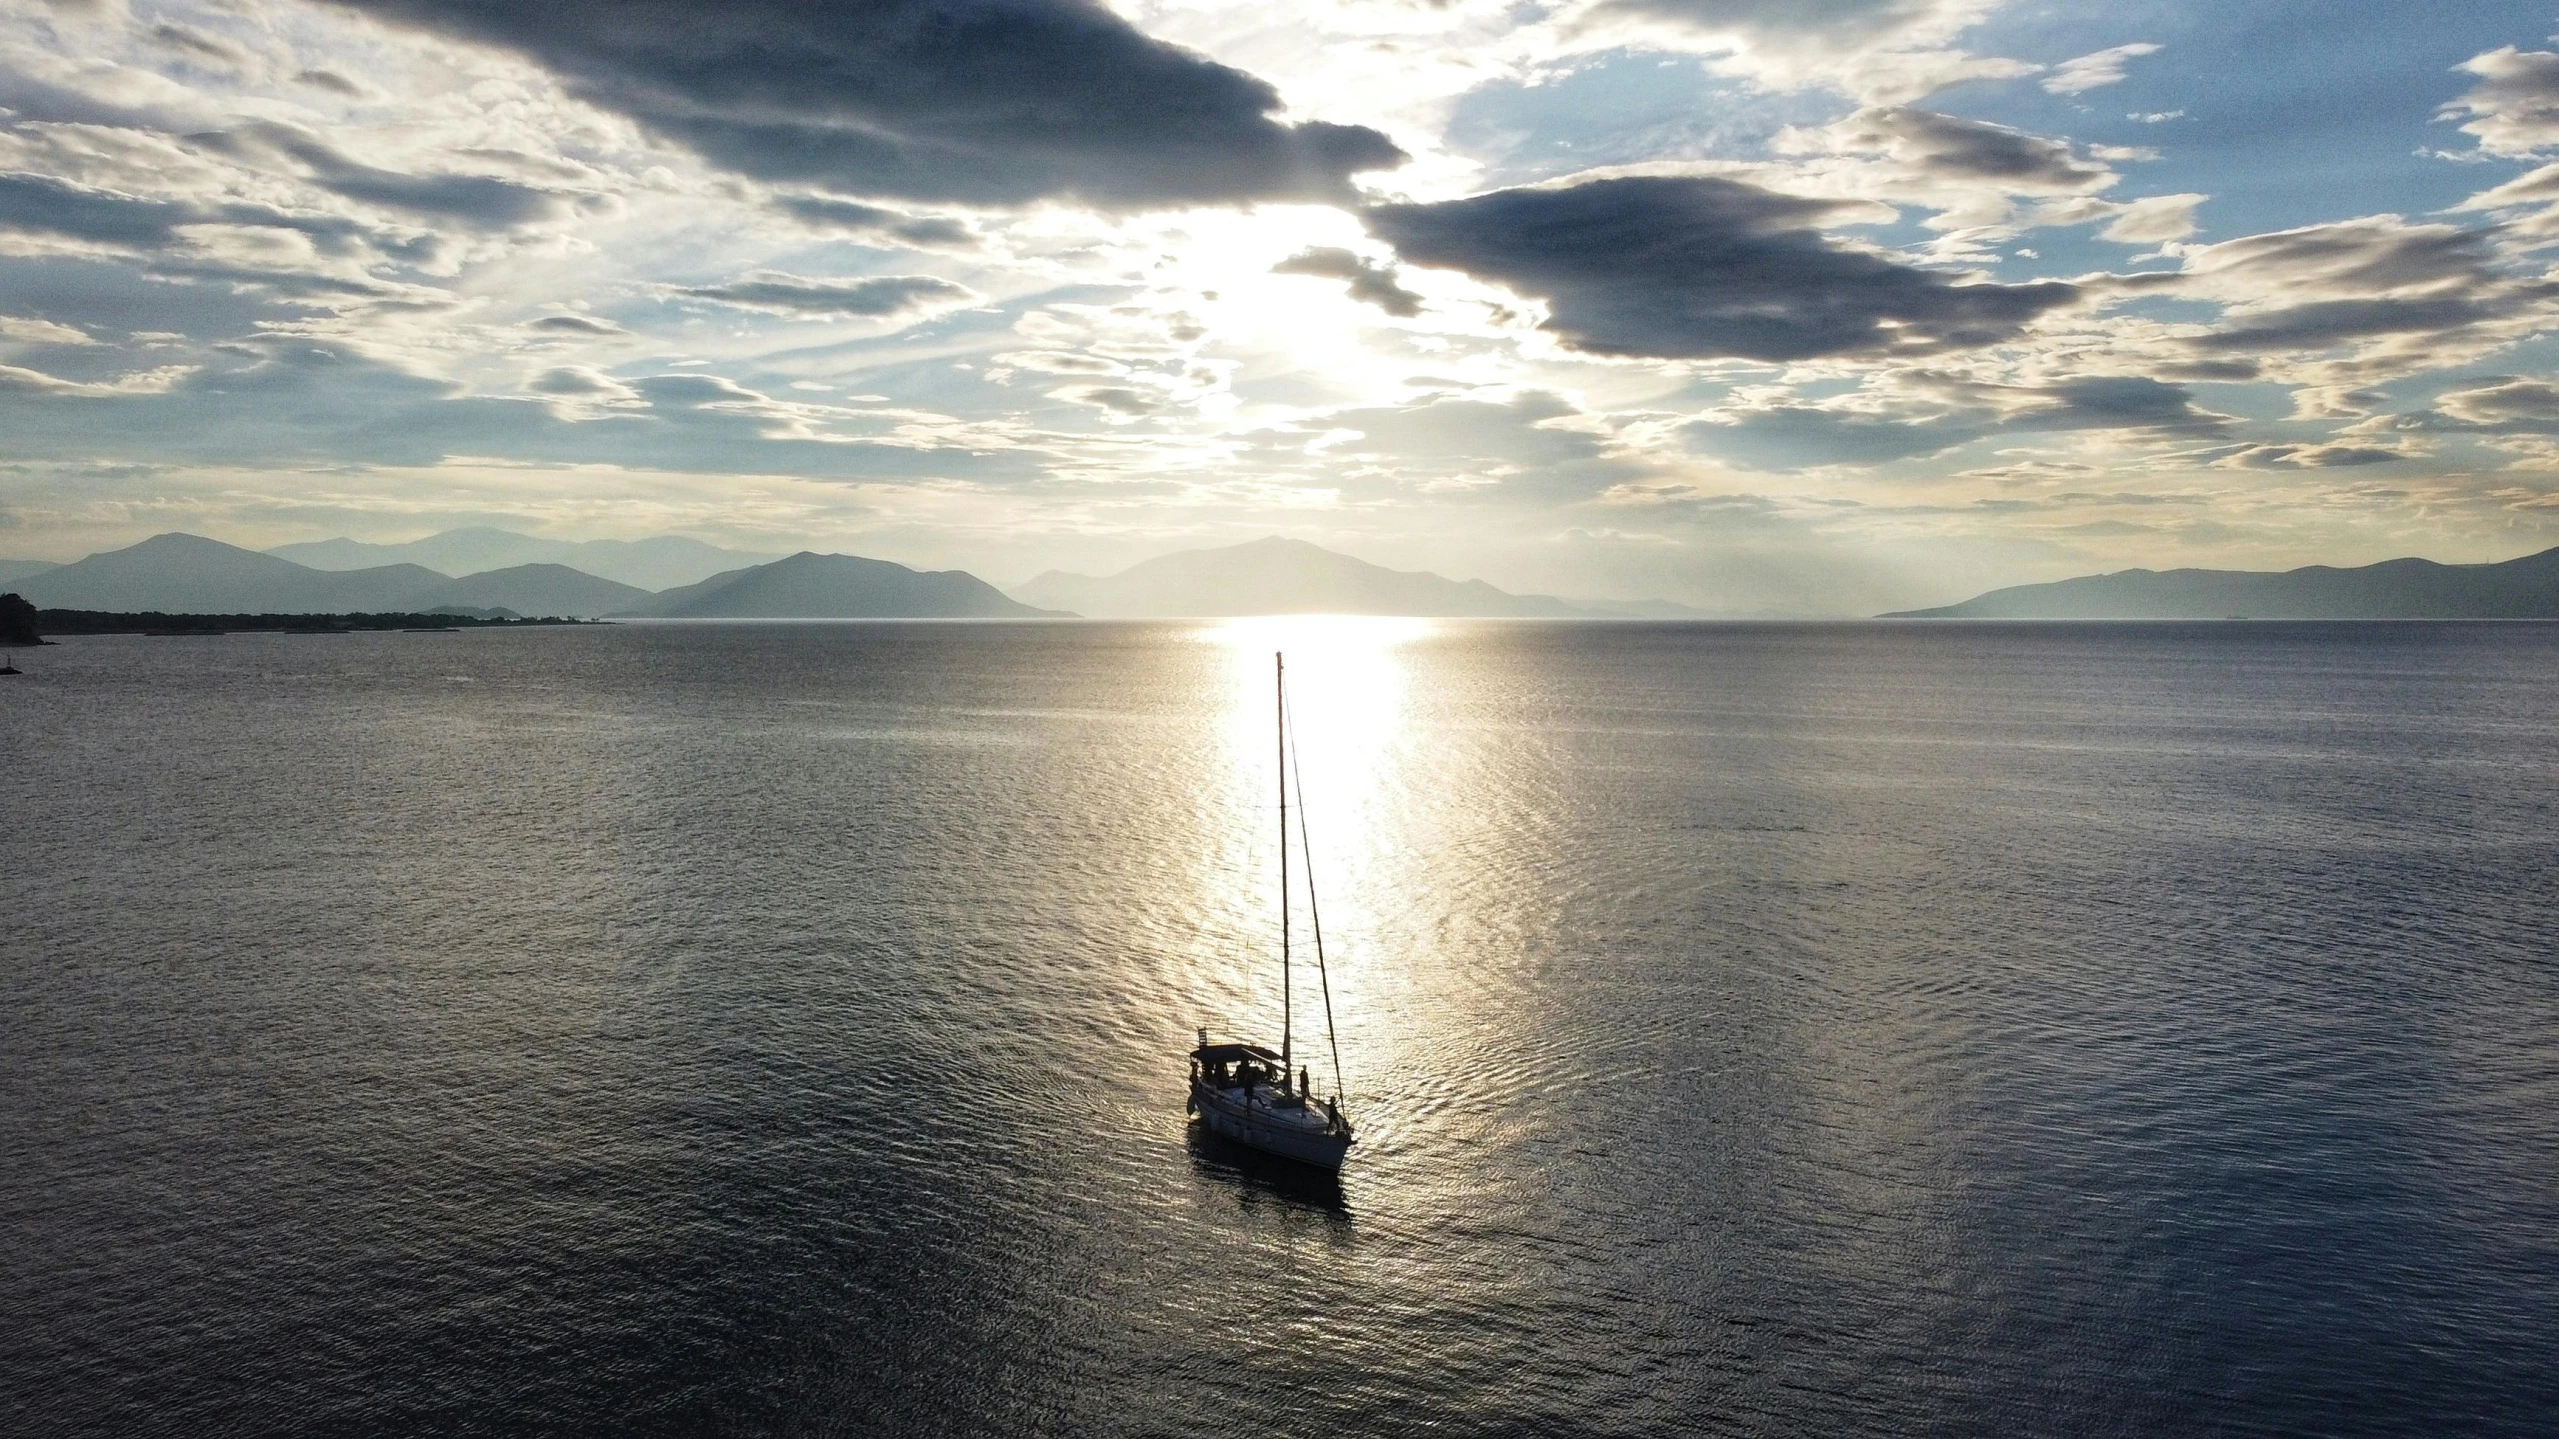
[{"x": 1248, "y": 1093}]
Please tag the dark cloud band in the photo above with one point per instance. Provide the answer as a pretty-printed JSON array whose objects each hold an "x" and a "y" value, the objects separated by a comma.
[
  {"x": 480, "y": 201},
  {"x": 994, "y": 102},
  {"x": 1793, "y": 436},
  {"x": 1700, "y": 267},
  {"x": 45, "y": 205}
]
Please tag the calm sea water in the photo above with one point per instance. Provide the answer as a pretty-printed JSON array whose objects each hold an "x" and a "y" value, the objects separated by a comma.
[{"x": 1859, "y": 1030}]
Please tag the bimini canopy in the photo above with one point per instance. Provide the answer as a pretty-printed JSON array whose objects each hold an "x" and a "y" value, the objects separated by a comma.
[{"x": 1232, "y": 1054}]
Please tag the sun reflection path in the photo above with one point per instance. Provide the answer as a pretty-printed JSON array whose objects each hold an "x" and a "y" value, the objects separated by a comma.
[{"x": 1347, "y": 686}]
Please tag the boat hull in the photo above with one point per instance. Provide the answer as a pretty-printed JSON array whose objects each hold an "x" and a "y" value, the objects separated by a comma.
[{"x": 1283, "y": 1127}]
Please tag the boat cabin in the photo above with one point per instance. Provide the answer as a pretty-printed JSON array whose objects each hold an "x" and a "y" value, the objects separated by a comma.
[{"x": 1237, "y": 1066}]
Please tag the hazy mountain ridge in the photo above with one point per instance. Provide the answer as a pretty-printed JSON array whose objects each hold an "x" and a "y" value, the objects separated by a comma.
[
  {"x": 809, "y": 585},
  {"x": 24, "y": 569},
  {"x": 657, "y": 563},
  {"x": 1276, "y": 576},
  {"x": 2523, "y": 588},
  {"x": 183, "y": 574},
  {"x": 179, "y": 574},
  {"x": 189, "y": 574},
  {"x": 538, "y": 589}
]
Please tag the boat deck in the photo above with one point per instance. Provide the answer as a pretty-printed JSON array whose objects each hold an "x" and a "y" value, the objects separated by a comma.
[{"x": 1270, "y": 1106}]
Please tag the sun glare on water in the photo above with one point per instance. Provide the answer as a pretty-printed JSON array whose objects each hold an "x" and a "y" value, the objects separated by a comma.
[
  {"x": 1347, "y": 696},
  {"x": 1346, "y": 684}
]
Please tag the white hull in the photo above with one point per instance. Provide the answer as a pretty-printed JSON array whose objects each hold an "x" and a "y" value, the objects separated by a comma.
[{"x": 1262, "y": 1119}]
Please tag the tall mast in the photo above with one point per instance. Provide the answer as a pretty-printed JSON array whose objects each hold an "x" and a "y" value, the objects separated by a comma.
[{"x": 1279, "y": 682}]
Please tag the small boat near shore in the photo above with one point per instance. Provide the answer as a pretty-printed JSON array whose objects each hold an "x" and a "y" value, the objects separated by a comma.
[{"x": 1254, "y": 1095}]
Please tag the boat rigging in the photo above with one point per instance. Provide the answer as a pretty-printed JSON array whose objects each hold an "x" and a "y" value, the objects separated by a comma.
[{"x": 1244, "y": 1091}]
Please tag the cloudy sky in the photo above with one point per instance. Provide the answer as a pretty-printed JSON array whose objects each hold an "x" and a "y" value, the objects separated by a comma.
[{"x": 1772, "y": 306}]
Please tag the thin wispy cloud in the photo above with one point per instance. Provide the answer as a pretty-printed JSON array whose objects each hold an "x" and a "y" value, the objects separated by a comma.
[{"x": 2095, "y": 71}]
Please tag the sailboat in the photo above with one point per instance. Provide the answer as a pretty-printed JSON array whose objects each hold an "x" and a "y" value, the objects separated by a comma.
[{"x": 1246, "y": 1092}]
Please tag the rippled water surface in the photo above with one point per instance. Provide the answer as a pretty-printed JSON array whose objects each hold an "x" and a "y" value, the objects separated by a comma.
[{"x": 1770, "y": 1030}]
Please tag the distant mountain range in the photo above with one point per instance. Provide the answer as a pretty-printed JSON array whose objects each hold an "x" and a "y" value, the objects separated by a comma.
[
  {"x": 182, "y": 574},
  {"x": 537, "y": 590},
  {"x": 651, "y": 564},
  {"x": 188, "y": 574},
  {"x": 1276, "y": 576},
  {"x": 2526, "y": 588},
  {"x": 826, "y": 587}
]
